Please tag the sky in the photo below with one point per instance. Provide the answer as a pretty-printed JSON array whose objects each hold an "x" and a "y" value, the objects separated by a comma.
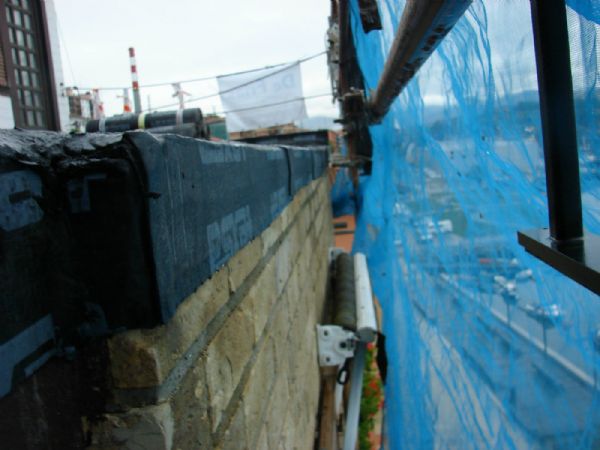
[{"x": 184, "y": 39}]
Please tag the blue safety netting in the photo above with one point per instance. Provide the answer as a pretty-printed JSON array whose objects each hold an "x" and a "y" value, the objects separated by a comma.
[
  {"x": 343, "y": 201},
  {"x": 488, "y": 347}
]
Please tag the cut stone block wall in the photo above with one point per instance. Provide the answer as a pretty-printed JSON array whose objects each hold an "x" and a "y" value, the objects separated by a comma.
[{"x": 236, "y": 367}]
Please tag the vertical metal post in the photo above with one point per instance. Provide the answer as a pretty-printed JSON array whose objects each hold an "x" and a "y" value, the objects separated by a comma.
[
  {"x": 551, "y": 39},
  {"x": 98, "y": 106},
  {"x": 137, "y": 101},
  {"x": 180, "y": 94},
  {"x": 350, "y": 85},
  {"x": 343, "y": 81},
  {"x": 344, "y": 36}
]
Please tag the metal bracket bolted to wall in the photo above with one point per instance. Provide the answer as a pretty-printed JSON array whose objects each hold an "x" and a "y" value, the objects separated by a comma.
[{"x": 335, "y": 345}]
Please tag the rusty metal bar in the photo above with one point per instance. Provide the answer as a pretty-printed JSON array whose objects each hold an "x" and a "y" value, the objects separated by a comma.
[{"x": 423, "y": 25}]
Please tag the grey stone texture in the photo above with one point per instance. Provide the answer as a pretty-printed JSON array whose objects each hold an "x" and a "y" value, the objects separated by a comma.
[{"x": 237, "y": 364}]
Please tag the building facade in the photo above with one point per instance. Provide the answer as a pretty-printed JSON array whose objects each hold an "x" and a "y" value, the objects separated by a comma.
[{"x": 31, "y": 77}]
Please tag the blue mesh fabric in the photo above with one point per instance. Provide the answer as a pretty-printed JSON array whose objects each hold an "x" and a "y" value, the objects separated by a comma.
[
  {"x": 342, "y": 194},
  {"x": 488, "y": 347},
  {"x": 343, "y": 200}
]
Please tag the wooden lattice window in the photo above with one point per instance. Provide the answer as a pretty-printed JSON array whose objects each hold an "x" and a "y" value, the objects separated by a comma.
[
  {"x": 3, "y": 77},
  {"x": 27, "y": 63}
]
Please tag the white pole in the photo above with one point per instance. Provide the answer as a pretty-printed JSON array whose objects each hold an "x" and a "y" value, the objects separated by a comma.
[
  {"x": 366, "y": 322},
  {"x": 137, "y": 101}
]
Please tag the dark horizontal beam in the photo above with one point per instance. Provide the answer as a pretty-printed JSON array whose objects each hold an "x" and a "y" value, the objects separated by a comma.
[
  {"x": 576, "y": 259},
  {"x": 423, "y": 25}
]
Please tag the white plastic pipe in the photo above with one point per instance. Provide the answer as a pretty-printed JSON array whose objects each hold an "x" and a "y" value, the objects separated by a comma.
[{"x": 366, "y": 322}]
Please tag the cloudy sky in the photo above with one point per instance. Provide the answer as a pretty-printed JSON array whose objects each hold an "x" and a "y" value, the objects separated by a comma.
[{"x": 185, "y": 39}]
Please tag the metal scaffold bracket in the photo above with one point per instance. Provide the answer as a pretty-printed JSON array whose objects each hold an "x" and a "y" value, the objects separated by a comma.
[{"x": 335, "y": 345}]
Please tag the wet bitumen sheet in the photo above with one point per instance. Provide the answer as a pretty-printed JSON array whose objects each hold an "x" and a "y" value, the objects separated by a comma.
[{"x": 103, "y": 232}]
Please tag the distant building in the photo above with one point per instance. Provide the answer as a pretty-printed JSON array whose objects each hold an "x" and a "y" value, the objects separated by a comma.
[
  {"x": 81, "y": 108},
  {"x": 31, "y": 96},
  {"x": 303, "y": 138},
  {"x": 217, "y": 126},
  {"x": 269, "y": 131}
]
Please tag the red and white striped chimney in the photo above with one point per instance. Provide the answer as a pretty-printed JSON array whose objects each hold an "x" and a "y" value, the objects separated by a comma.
[{"x": 137, "y": 102}]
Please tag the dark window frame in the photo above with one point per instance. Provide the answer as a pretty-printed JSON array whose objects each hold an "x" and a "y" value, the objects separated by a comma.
[{"x": 45, "y": 72}]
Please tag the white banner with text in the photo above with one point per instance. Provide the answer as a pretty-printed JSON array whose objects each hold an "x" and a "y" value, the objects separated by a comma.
[{"x": 262, "y": 98}]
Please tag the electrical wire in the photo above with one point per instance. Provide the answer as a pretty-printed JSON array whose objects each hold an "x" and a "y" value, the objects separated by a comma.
[
  {"x": 206, "y": 78},
  {"x": 216, "y": 94},
  {"x": 64, "y": 44},
  {"x": 239, "y": 86},
  {"x": 283, "y": 102},
  {"x": 309, "y": 97}
]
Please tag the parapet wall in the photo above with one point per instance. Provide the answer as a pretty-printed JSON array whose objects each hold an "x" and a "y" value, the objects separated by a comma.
[
  {"x": 236, "y": 366},
  {"x": 162, "y": 292}
]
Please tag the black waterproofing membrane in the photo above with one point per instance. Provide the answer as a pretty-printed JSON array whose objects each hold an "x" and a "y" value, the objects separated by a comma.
[{"x": 100, "y": 233}]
